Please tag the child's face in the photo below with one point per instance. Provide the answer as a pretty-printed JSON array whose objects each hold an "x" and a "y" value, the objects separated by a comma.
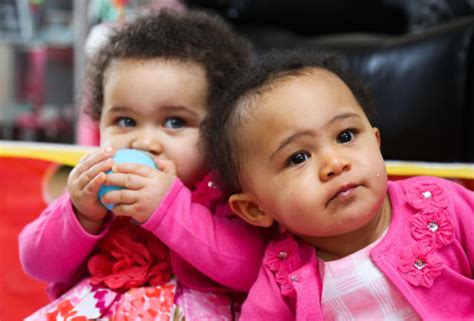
[
  {"x": 311, "y": 159},
  {"x": 156, "y": 106}
]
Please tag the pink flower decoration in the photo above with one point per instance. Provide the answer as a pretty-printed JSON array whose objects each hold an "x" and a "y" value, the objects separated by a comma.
[
  {"x": 433, "y": 228},
  {"x": 129, "y": 256},
  {"x": 282, "y": 259},
  {"x": 427, "y": 196},
  {"x": 420, "y": 265},
  {"x": 280, "y": 253},
  {"x": 207, "y": 192}
]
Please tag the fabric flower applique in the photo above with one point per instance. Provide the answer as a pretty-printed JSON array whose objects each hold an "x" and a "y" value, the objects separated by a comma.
[
  {"x": 282, "y": 259},
  {"x": 281, "y": 253},
  {"x": 433, "y": 228},
  {"x": 427, "y": 196},
  {"x": 420, "y": 265},
  {"x": 207, "y": 192},
  {"x": 129, "y": 256}
]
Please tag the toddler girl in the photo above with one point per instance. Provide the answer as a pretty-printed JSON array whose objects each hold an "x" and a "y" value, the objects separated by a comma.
[
  {"x": 150, "y": 86},
  {"x": 293, "y": 143}
]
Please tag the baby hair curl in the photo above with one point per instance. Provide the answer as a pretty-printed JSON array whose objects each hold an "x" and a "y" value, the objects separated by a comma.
[{"x": 191, "y": 36}]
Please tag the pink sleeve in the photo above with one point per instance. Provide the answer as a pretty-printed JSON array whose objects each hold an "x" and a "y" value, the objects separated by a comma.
[
  {"x": 220, "y": 245},
  {"x": 463, "y": 202},
  {"x": 54, "y": 247}
]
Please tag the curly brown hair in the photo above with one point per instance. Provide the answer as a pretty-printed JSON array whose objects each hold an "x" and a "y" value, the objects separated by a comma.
[
  {"x": 221, "y": 131},
  {"x": 191, "y": 36}
]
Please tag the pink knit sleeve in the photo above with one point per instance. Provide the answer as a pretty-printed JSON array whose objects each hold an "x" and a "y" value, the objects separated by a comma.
[
  {"x": 54, "y": 247},
  {"x": 219, "y": 245},
  {"x": 463, "y": 203}
]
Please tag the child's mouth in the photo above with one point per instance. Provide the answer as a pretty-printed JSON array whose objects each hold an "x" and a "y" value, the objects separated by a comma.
[{"x": 344, "y": 192}]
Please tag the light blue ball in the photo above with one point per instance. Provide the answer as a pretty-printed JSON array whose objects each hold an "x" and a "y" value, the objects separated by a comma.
[{"x": 126, "y": 156}]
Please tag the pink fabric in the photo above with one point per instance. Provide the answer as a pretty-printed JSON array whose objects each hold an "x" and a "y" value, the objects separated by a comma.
[
  {"x": 220, "y": 245},
  {"x": 434, "y": 296},
  {"x": 208, "y": 306},
  {"x": 210, "y": 250},
  {"x": 55, "y": 247},
  {"x": 354, "y": 289}
]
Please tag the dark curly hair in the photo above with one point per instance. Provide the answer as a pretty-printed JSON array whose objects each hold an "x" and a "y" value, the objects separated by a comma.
[
  {"x": 192, "y": 36},
  {"x": 221, "y": 129}
]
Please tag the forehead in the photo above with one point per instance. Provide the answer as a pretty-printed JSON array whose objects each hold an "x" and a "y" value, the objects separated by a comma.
[
  {"x": 143, "y": 82},
  {"x": 295, "y": 102},
  {"x": 160, "y": 66},
  {"x": 314, "y": 92}
]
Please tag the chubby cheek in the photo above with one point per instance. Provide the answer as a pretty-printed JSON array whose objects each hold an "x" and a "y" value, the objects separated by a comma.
[
  {"x": 115, "y": 144},
  {"x": 378, "y": 174},
  {"x": 286, "y": 204},
  {"x": 190, "y": 170},
  {"x": 107, "y": 139},
  {"x": 379, "y": 168}
]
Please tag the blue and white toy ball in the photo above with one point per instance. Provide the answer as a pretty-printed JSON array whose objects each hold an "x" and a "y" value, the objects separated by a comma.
[{"x": 126, "y": 156}]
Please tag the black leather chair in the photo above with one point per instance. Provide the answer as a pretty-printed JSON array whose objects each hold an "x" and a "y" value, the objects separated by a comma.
[
  {"x": 422, "y": 81},
  {"x": 422, "y": 85}
]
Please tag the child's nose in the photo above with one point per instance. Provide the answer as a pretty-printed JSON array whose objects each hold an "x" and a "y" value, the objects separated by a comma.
[
  {"x": 148, "y": 144},
  {"x": 333, "y": 165}
]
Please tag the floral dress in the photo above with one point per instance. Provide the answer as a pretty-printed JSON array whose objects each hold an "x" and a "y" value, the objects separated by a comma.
[{"x": 131, "y": 279}]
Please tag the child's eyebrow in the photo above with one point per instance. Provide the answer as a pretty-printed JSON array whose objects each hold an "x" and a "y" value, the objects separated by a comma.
[
  {"x": 342, "y": 117},
  {"x": 120, "y": 110},
  {"x": 296, "y": 135},
  {"x": 289, "y": 139},
  {"x": 166, "y": 109},
  {"x": 179, "y": 109}
]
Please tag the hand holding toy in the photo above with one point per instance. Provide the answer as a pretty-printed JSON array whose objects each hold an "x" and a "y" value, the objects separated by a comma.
[{"x": 126, "y": 156}]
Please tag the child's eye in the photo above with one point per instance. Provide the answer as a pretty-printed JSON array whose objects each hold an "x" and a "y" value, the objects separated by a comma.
[
  {"x": 126, "y": 122},
  {"x": 298, "y": 158},
  {"x": 174, "y": 123},
  {"x": 346, "y": 136}
]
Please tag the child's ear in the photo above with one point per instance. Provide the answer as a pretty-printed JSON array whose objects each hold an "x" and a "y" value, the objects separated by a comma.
[
  {"x": 243, "y": 205},
  {"x": 377, "y": 135}
]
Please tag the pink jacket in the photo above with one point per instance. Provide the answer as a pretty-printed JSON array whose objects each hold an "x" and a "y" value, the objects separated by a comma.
[
  {"x": 211, "y": 249},
  {"x": 441, "y": 288}
]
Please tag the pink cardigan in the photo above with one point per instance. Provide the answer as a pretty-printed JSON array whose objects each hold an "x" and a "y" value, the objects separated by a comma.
[
  {"x": 211, "y": 249},
  {"x": 441, "y": 288}
]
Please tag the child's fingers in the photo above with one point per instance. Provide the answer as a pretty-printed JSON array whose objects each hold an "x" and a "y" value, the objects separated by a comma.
[
  {"x": 166, "y": 166},
  {"x": 92, "y": 159},
  {"x": 93, "y": 171},
  {"x": 94, "y": 185},
  {"x": 118, "y": 197},
  {"x": 95, "y": 157},
  {"x": 123, "y": 209},
  {"x": 130, "y": 210},
  {"x": 128, "y": 181},
  {"x": 132, "y": 168}
]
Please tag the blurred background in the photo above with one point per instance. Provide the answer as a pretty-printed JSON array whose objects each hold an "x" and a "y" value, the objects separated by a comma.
[
  {"x": 42, "y": 48},
  {"x": 416, "y": 55}
]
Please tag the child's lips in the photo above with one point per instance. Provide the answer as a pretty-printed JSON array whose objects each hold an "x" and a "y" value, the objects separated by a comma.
[{"x": 344, "y": 191}]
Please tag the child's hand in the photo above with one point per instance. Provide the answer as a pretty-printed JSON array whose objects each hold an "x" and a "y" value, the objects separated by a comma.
[
  {"x": 84, "y": 183},
  {"x": 143, "y": 188}
]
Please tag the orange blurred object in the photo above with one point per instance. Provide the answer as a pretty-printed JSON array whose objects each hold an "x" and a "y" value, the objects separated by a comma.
[
  {"x": 120, "y": 3},
  {"x": 21, "y": 201}
]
